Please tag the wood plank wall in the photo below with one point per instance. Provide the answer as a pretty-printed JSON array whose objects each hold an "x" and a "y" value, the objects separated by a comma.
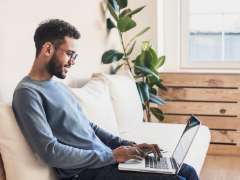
[{"x": 214, "y": 98}]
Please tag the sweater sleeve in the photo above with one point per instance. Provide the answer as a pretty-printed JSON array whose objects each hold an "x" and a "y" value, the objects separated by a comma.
[
  {"x": 109, "y": 139},
  {"x": 30, "y": 115}
]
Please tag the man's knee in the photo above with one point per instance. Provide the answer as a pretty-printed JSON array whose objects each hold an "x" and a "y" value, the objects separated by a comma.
[{"x": 188, "y": 172}]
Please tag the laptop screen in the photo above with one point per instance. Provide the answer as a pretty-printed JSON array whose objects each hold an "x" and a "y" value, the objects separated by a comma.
[{"x": 185, "y": 142}]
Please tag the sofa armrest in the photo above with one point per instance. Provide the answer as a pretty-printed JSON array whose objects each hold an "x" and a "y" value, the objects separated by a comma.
[{"x": 167, "y": 135}]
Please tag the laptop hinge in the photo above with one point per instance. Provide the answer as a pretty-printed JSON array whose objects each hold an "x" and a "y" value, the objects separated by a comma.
[{"x": 174, "y": 164}]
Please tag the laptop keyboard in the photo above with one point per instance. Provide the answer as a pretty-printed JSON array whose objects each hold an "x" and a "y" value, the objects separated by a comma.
[{"x": 157, "y": 163}]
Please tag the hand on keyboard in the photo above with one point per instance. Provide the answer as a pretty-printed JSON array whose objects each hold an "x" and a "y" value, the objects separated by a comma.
[
  {"x": 124, "y": 153},
  {"x": 146, "y": 149}
]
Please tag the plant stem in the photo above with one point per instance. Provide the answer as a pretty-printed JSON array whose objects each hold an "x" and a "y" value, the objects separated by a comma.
[
  {"x": 124, "y": 51},
  {"x": 148, "y": 112},
  {"x": 148, "y": 105}
]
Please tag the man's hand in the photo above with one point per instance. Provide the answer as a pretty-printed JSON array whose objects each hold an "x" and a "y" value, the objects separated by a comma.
[
  {"x": 124, "y": 153},
  {"x": 146, "y": 149}
]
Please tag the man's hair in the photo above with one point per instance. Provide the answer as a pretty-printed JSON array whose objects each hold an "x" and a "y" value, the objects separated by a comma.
[{"x": 53, "y": 30}]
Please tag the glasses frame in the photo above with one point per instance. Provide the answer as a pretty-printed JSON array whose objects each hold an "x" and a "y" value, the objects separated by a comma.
[{"x": 73, "y": 56}]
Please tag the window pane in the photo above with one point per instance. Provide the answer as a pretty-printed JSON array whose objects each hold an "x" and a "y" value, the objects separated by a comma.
[
  {"x": 232, "y": 46},
  {"x": 232, "y": 37},
  {"x": 205, "y": 38},
  {"x": 214, "y": 30},
  {"x": 205, "y": 46}
]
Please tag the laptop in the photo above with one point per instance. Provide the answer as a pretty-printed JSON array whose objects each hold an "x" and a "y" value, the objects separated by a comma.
[{"x": 164, "y": 164}]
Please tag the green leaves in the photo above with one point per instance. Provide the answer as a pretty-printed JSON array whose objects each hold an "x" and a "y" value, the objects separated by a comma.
[
  {"x": 156, "y": 100},
  {"x": 130, "y": 13},
  {"x": 125, "y": 12},
  {"x": 110, "y": 24},
  {"x": 122, "y": 17},
  {"x": 157, "y": 113},
  {"x": 135, "y": 11},
  {"x": 153, "y": 90},
  {"x": 154, "y": 61},
  {"x": 114, "y": 4},
  {"x": 140, "y": 60},
  {"x": 122, "y": 3},
  {"x": 112, "y": 10},
  {"x": 145, "y": 71},
  {"x": 154, "y": 81},
  {"x": 144, "y": 67},
  {"x": 143, "y": 90},
  {"x": 111, "y": 56},
  {"x": 147, "y": 62},
  {"x": 115, "y": 70},
  {"x": 161, "y": 61},
  {"x": 125, "y": 23},
  {"x": 148, "y": 58}
]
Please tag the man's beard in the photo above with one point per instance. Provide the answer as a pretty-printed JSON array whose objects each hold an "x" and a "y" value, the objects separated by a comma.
[{"x": 56, "y": 69}]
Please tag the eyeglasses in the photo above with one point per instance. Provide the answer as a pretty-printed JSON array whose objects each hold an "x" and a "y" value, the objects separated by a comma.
[{"x": 71, "y": 54}]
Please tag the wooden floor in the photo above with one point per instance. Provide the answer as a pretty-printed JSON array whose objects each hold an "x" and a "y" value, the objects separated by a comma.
[{"x": 221, "y": 168}]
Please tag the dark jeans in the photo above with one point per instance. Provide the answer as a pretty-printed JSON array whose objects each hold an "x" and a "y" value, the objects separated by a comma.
[{"x": 111, "y": 172}]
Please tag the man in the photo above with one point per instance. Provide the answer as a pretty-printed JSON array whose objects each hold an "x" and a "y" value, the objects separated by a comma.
[{"x": 54, "y": 125}]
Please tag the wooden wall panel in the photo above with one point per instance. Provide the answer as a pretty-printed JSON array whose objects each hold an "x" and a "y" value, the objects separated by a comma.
[
  {"x": 212, "y": 122},
  {"x": 202, "y": 108},
  {"x": 214, "y": 98},
  {"x": 218, "y": 149},
  {"x": 201, "y": 94},
  {"x": 225, "y": 136},
  {"x": 200, "y": 80}
]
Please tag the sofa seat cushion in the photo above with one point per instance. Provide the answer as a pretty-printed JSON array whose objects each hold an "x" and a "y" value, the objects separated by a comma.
[
  {"x": 20, "y": 162},
  {"x": 167, "y": 136}
]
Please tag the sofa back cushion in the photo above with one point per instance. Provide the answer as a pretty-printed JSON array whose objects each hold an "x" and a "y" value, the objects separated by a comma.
[
  {"x": 125, "y": 99},
  {"x": 20, "y": 162},
  {"x": 94, "y": 98}
]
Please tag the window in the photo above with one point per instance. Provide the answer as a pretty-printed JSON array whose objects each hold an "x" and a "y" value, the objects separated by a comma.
[{"x": 210, "y": 34}]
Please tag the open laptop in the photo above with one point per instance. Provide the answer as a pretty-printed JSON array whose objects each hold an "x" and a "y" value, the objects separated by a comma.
[{"x": 167, "y": 165}]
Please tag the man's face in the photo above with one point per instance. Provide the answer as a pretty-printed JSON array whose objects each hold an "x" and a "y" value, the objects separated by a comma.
[{"x": 63, "y": 58}]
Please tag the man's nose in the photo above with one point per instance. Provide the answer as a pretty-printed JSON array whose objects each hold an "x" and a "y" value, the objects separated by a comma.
[{"x": 71, "y": 62}]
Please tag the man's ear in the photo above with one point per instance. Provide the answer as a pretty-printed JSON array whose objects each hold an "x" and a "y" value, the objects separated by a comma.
[{"x": 48, "y": 49}]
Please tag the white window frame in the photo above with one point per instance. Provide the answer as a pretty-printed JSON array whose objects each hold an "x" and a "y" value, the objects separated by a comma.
[
  {"x": 168, "y": 33},
  {"x": 184, "y": 46}
]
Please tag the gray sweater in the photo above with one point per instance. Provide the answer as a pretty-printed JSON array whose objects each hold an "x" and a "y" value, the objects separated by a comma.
[{"x": 54, "y": 125}]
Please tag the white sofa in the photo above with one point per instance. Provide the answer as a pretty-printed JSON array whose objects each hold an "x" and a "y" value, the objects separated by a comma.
[{"x": 112, "y": 102}]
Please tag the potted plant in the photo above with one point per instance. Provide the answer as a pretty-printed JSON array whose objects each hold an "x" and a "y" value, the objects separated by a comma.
[{"x": 144, "y": 67}]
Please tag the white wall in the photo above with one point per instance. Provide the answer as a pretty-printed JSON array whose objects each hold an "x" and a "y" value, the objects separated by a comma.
[
  {"x": 18, "y": 21},
  {"x": 147, "y": 17}
]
